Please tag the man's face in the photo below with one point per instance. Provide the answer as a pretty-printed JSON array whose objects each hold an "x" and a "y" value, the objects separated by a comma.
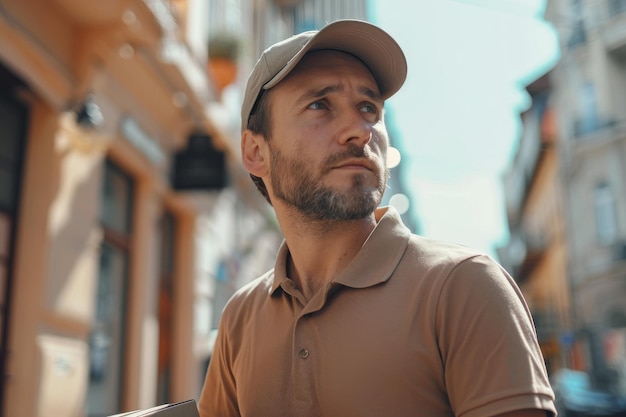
[{"x": 329, "y": 143}]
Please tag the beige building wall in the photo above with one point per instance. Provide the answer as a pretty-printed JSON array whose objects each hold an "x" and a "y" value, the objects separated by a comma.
[{"x": 151, "y": 98}]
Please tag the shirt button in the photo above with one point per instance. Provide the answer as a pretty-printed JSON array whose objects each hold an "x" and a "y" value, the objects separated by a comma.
[{"x": 304, "y": 353}]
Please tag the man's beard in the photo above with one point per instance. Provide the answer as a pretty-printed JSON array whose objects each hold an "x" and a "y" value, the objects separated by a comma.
[{"x": 295, "y": 183}]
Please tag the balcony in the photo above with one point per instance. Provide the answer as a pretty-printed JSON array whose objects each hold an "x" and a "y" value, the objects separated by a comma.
[
  {"x": 617, "y": 7},
  {"x": 92, "y": 13},
  {"x": 589, "y": 125},
  {"x": 287, "y": 3},
  {"x": 614, "y": 31}
]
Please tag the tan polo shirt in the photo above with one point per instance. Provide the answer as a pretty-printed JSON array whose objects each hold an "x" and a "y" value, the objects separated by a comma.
[{"x": 412, "y": 327}]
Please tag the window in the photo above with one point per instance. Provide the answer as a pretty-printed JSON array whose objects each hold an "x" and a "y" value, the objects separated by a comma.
[
  {"x": 578, "y": 33},
  {"x": 165, "y": 307},
  {"x": 606, "y": 215},
  {"x": 106, "y": 342},
  {"x": 12, "y": 118},
  {"x": 588, "y": 121},
  {"x": 14, "y": 122}
]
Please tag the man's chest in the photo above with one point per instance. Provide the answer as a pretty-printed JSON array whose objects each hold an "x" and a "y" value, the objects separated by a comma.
[{"x": 352, "y": 357}]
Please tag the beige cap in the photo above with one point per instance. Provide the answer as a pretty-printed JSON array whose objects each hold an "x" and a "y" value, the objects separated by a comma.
[{"x": 375, "y": 47}]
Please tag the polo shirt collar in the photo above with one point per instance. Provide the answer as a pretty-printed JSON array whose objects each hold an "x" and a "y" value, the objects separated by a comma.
[{"x": 374, "y": 263}]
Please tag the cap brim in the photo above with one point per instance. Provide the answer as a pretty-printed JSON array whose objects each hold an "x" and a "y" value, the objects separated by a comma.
[{"x": 375, "y": 47}]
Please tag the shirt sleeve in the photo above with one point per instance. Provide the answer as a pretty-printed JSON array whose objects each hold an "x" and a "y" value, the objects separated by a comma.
[
  {"x": 491, "y": 357},
  {"x": 219, "y": 394}
]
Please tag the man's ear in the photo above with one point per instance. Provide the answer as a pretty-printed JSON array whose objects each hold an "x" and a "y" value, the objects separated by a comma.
[{"x": 254, "y": 153}]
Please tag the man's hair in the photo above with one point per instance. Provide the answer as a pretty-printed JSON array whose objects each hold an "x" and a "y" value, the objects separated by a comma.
[{"x": 259, "y": 123}]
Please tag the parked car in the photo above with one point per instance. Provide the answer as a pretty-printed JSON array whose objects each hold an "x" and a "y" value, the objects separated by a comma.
[{"x": 575, "y": 397}]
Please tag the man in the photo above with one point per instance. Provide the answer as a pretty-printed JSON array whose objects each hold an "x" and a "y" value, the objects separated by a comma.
[{"x": 359, "y": 317}]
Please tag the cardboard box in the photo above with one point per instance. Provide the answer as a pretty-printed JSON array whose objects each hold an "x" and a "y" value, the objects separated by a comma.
[{"x": 182, "y": 409}]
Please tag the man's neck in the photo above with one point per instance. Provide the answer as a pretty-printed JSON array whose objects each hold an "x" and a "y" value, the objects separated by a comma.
[{"x": 321, "y": 250}]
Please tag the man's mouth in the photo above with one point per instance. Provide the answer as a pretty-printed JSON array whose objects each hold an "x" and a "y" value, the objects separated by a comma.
[{"x": 355, "y": 163}]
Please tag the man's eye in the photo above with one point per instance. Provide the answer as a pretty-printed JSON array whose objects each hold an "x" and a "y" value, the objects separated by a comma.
[
  {"x": 369, "y": 108},
  {"x": 317, "y": 105}
]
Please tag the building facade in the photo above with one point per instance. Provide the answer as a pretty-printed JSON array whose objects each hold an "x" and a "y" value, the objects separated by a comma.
[
  {"x": 536, "y": 254},
  {"x": 586, "y": 99},
  {"x": 589, "y": 84},
  {"x": 110, "y": 165}
]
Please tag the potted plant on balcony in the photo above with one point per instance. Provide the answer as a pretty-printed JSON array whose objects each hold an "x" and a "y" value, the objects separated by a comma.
[{"x": 224, "y": 49}]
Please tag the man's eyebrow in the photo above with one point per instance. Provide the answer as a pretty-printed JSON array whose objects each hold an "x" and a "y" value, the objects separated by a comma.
[
  {"x": 315, "y": 93},
  {"x": 371, "y": 94}
]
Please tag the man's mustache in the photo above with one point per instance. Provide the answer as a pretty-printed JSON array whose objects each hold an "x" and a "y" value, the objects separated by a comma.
[{"x": 352, "y": 151}]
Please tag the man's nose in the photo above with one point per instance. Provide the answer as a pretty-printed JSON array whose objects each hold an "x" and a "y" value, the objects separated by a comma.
[{"x": 355, "y": 128}]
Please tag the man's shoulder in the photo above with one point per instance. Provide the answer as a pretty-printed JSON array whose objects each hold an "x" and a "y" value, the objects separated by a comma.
[
  {"x": 251, "y": 293},
  {"x": 441, "y": 251},
  {"x": 260, "y": 285},
  {"x": 453, "y": 263}
]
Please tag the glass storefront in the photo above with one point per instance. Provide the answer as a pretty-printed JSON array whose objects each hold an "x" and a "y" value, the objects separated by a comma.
[{"x": 107, "y": 339}]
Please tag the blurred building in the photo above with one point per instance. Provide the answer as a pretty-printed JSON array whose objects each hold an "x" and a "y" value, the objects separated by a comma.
[
  {"x": 587, "y": 99},
  {"x": 536, "y": 254},
  {"x": 110, "y": 165},
  {"x": 589, "y": 82}
]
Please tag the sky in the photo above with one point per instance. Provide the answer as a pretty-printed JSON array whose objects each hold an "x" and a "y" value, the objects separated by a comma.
[{"x": 458, "y": 114}]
